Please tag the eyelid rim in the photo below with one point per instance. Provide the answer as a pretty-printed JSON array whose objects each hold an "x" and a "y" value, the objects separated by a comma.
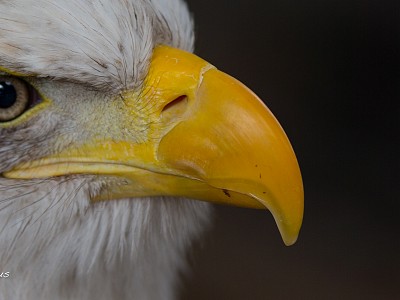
[{"x": 6, "y": 72}]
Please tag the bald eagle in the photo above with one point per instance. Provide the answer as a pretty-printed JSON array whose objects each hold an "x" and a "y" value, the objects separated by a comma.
[{"x": 110, "y": 131}]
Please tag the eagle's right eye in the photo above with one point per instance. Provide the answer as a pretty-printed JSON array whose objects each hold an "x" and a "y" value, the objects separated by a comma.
[{"x": 16, "y": 96}]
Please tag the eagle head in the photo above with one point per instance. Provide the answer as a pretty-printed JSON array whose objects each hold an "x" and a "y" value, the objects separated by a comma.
[{"x": 109, "y": 125}]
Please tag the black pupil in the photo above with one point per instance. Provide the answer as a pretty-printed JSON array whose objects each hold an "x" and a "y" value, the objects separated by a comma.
[{"x": 8, "y": 95}]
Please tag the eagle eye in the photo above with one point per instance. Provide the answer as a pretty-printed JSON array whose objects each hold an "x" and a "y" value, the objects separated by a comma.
[{"x": 16, "y": 96}]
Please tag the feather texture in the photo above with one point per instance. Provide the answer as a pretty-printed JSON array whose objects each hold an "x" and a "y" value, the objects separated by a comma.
[
  {"x": 54, "y": 241},
  {"x": 57, "y": 245},
  {"x": 102, "y": 43}
]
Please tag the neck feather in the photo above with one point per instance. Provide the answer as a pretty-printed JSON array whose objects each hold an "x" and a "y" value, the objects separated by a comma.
[{"x": 55, "y": 244}]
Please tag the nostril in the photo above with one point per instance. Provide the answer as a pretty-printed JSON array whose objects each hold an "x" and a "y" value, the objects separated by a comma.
[
  {"x": 175, "y": 108},
  {"x": 177, "y": 102}
]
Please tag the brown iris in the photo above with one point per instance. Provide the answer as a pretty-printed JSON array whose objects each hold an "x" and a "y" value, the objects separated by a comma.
[{"x": 15, "y": 97}]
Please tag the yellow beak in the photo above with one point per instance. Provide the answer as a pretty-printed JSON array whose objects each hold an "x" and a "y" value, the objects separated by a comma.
[{"x": 207, "y": 137}]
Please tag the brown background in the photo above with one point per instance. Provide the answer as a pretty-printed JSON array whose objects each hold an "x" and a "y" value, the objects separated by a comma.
[{"x": 330, "y": 72}]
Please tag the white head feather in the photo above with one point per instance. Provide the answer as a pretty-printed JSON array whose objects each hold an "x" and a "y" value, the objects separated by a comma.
[
  {"x": 55, "y": 243},
  {"x": 101, "y": 43}
]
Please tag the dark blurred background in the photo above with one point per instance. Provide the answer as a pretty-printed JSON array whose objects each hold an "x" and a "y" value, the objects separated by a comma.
[{"x": 330, "y": 72}]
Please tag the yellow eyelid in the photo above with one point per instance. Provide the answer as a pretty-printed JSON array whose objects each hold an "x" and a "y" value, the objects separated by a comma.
[{"x": 12, "y": 73}]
